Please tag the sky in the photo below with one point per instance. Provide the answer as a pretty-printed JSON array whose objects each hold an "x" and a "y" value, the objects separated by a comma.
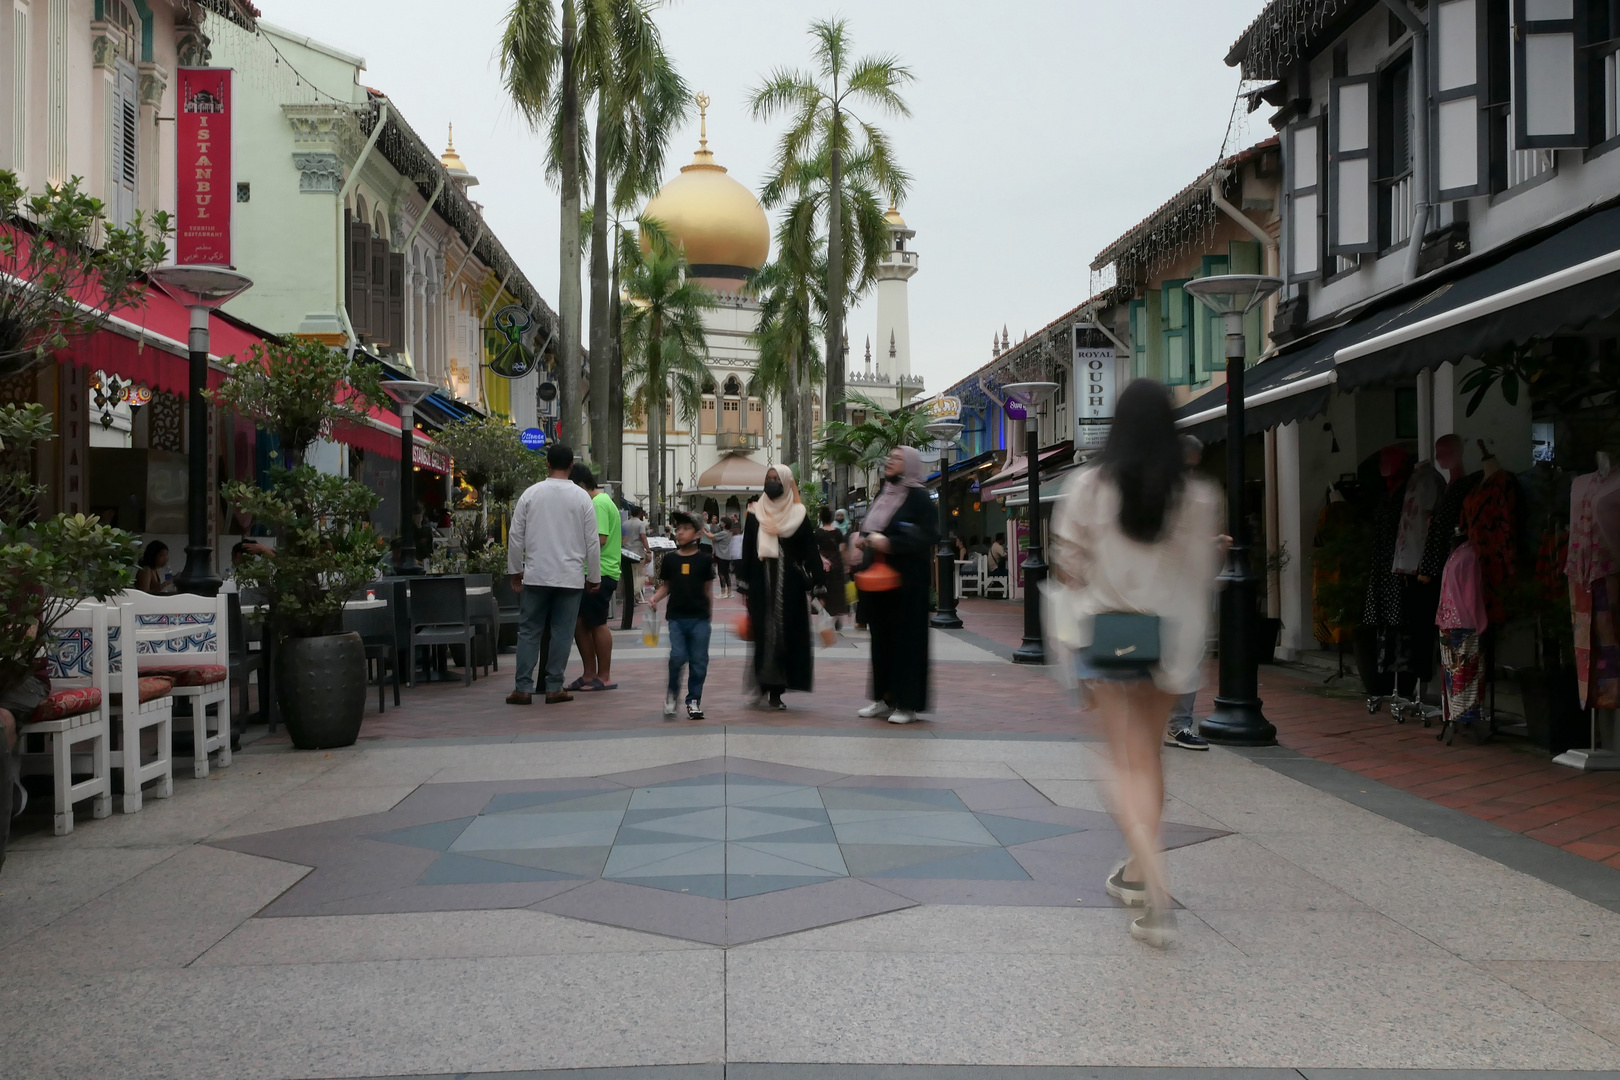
[{"x": 1040, "y": 130}]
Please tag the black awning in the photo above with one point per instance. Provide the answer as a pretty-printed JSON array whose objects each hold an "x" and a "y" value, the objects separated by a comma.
[{"x": 1561, "y": 282}]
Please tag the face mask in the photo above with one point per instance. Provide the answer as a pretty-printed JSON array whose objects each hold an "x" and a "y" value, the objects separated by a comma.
[{"x": 773, "y": 489}]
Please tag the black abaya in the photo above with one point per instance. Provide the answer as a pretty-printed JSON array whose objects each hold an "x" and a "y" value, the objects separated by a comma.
[
  {"x": 898, "y": 619},
  {"x": 779, "y": 606}
]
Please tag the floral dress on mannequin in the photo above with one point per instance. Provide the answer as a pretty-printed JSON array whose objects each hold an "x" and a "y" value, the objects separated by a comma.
[{"x": 1594, "y": 587}]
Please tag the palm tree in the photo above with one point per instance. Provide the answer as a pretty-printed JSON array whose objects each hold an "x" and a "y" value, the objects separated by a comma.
[
  {"x": 791, "y": 296},
  {"x": 638, "y": 104},
  {"x": 865, "y": 446},
  {"x": 553, "y": 53},
  {"x": 666, "y": 349},
  {"x": 823, "y": 130}
]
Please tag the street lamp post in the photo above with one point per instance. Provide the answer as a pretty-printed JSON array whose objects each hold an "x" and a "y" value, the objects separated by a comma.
[
  {"x": 1031, "y": 395},
  {"x": 201, "y": 289},
  {"x": 1237, "y": 719},
  {"x": 945, "y": 617},
  {"x": 406, "y": 393}
]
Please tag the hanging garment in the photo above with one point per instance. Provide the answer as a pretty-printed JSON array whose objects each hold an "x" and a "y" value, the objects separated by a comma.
[
  {"x": 1383, "y": 605},
  {"x": 1459, "y": 654},
  {"x": 1443, "y": 526},
  {"x": 1423, "y": 493},
  {"x": 1462, "y": 593},
  {"x": 1590, "y": 555},
  {"x": 1488, "y": 522},
  {"x": 1597, "y": 646}
]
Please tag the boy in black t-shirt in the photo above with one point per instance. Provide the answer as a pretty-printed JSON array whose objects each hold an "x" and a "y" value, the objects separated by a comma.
[{"x": 684, "y": 576}]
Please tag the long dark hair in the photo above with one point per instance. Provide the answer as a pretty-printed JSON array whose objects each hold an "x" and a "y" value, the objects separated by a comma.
[
  {"x": 1143, "y": 456},
  {"x": 149, "y": 557}
]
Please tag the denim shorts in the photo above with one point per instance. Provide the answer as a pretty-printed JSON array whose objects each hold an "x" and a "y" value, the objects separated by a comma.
[{"x": 1086, "y": 671}]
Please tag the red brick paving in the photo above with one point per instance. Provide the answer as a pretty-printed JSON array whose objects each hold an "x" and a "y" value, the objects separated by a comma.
[{"x": 1506, "y": 781}]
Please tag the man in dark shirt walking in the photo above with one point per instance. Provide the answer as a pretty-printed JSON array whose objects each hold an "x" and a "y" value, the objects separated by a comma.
[{"x": 684, "y": 577}]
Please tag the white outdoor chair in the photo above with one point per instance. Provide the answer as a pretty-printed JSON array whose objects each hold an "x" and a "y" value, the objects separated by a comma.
[
  {"x": 140, "y": 702},
  {"x": 996, "y": 585},
  {"x": 186, "y": 639},
  {"x": 75, "y": 714},
  {"x": 969, "y": 575}
]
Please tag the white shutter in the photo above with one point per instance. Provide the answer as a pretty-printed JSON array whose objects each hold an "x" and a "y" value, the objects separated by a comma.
[
  {"x": 1305, "y": 200},
  {"x": 1352, "y": 225},
  {"x": 1549, "y": 74},
  {"x": 125, "y": 164},
  {"x": 1461, "y": 134}
]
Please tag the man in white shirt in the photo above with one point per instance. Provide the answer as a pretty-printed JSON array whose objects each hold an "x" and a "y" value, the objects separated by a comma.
[{"x": 554, "y": 556}]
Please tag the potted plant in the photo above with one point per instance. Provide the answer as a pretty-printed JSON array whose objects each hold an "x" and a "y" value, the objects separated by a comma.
[{"x": 325, "y": 546}]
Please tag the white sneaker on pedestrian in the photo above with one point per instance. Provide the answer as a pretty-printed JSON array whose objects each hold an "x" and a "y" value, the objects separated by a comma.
[
  {"x": 876, "y": 711},
  {"x": 900, "y": 716},
  {"x": 669, "y": 704}
]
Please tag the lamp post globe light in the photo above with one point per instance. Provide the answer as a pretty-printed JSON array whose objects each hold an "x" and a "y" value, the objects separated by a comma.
[
  {"x": 1237, "y": 719},
  {"x": 406, "y": 393},
  {"x": 945, "y": 617},
  {"x": 201, "y": 289},
  {"x": 1031, "y": 395}
]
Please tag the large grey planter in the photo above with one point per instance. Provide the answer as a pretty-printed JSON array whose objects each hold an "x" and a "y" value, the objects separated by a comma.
[{"x": 321, "y": 686}]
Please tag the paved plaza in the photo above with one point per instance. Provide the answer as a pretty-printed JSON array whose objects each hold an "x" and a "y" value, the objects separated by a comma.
[{"x": 781, "y": 897}]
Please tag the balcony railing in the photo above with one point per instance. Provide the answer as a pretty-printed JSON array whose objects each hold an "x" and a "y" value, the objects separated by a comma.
[
  {"x": 1524, "y": 165},
  {"x": 1400, "y": 209}
]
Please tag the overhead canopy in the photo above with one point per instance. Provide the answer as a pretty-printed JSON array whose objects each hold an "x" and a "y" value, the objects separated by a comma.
[{"x": 1560, "y": 282}]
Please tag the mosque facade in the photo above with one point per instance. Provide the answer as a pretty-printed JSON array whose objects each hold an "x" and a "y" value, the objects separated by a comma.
[{"x": 718, "y": 461}]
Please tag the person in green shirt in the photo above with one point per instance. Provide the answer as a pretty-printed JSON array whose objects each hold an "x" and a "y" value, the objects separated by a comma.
[{"x": 591, "y": 633}]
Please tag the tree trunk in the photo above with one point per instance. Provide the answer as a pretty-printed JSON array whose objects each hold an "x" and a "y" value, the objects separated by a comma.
[
  {"x": 790, "y": 413},
  {"x": 655, "y": 426},
  {"x": 569, "y": 299},
  {"x": 833, "y": 408},
  {"x": 807, "y": 421},
  {"x": 603, "y": 433},
  {"x": 614, "y": 459}
]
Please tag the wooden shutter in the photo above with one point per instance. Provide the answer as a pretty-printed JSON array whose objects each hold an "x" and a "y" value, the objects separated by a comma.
[
  {"x": 125, "y": 164},
  {"x": 1305, "y": 200},
  {"x": 1139, "y": 339},
  {"x": 1176, "y": 320},
  {"x": 1549, "y": 74},
  {"x": 1351, "y": 211},
  {"x": 1460, "y": 122},
  {"x": 359, "y": 274},
  {"x": 396, "y": 301},
  {"x": 378, "y": 291}
]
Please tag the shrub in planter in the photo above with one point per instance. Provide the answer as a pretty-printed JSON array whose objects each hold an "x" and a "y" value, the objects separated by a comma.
[{"x": 325, "y": 546}]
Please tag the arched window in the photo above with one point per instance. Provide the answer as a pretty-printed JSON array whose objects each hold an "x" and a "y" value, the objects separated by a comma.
[
  {"x": 120, "y": 14},
  {"x": 360, "y": 212},
  {"x": 709, "y": 419},
  {"x": 733, "y": 386},
  {"x": 380, "y": 226}
]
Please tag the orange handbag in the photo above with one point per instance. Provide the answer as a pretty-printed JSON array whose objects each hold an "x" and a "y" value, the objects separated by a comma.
[
  {"x": 743, "y": 628},
  {"x": 879, "y": 577}
]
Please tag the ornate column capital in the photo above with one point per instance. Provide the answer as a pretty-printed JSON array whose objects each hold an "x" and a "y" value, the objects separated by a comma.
[
  {"x": 106, "y": 44},
  {"x": 154, "y": 81},
  {"x": 319, "y": 172},
  {"x": 192, "y": 45},
  {"x": 331, "y": 128}
]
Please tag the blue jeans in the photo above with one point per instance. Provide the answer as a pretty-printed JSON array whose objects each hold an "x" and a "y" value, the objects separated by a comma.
[
  {"x": 540, "y": 607},
  {"x": 1181, "y": 714},
  {"x": 689, "y": 645}
]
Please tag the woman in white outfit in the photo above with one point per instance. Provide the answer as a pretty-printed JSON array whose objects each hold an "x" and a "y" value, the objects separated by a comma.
[{"x": 1133, "y": 534}]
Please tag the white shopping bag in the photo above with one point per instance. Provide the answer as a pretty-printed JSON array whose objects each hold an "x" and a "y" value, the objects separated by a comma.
[
  {"x": 649, "y": 627},
  {"x": 821, "y": 624}
]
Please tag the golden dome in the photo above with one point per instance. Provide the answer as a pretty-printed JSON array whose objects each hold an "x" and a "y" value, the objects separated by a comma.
[
  {"x": 452, "y": 161},
  {"x": 717, "y": 220},
  {"x": 893, "y": 217}
]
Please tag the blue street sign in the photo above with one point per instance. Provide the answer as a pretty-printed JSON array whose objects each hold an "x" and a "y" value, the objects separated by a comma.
[{"x": 533, "y": 438}]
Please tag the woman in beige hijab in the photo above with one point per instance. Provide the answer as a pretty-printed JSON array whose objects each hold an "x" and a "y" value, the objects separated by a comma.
[{"x": 781, "y": 566}]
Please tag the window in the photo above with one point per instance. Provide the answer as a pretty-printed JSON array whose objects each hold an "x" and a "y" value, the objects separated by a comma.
[
  {"x": 1394, "y": 131},
  {"x": 1209, "y": 341},
  {"x": 1460, "y": 123},
  {"x": 1350, "y": 147},
  {"x": 1146, "y": 342}
]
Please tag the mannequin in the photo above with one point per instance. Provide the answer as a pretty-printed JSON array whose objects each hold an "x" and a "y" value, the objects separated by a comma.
[
  {"x": 1593, "y": 569},
  {"x": 1488, "y": 518},
  {"x": 1462, "y": 619},
  {"x": 1448, "y": 458}
]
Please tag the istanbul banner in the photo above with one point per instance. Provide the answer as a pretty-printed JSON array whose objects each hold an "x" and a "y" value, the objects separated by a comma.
[{"x": 202, "y": 232}]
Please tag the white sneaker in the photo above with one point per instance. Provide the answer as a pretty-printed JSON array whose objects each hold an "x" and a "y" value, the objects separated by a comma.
[
  {"x": 900, "y": 716},
  {"x": 669, "y": 704},
  {"x": 876, "y": 711}
]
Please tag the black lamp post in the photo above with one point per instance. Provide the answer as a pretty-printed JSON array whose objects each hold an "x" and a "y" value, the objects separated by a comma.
[
  {"x": 1031, "y": 395},
  {"x": 945, "y": 617},
  {"x": 201, "y": 289},
  {"x": 406, "y": 393},
  {"x": 1237, "y": 719}
]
